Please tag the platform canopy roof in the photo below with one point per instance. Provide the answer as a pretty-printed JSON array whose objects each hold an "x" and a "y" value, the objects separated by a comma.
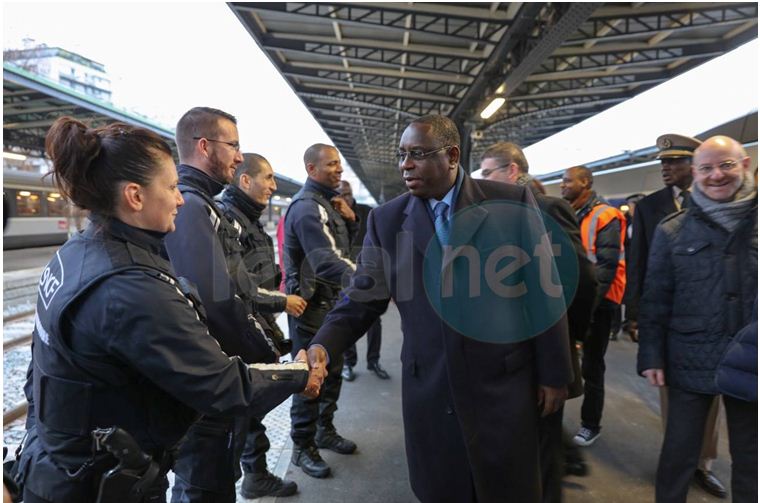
[
  {"x": 32, "y": 103},
  {"x": 365, "y": 69}
]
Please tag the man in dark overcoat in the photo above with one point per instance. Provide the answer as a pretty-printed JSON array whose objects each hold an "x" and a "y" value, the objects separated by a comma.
[
  {"x": 476, "y": 373},
  {"x": 699, "y": 291},
  {"x": 505, "y": 162},
  {"x": 676, "y": 152}
]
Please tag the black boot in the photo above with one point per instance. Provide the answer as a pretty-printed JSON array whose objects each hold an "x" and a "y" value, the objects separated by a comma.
[
  {"x": 308, "y": 458},
  {"x": 329, "y": 439},
  {"x": 256, "y": 485}
]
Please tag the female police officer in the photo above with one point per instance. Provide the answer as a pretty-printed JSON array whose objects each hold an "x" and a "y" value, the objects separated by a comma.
[{"x": 116, "y": 343}]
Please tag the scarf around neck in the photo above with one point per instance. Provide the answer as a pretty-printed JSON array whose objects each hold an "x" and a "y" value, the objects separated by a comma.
[{"x": 728, "y": 214}]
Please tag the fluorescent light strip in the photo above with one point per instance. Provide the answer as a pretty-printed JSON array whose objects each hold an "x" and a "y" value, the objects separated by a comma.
[
  {"x": 15, "y": 157},
  {"x": 492, "y": 107}
]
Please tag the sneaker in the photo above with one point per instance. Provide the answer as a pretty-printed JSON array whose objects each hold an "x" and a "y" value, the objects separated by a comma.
[
  {"x": 310, "y": 461},
  {"x": 257, "y": 485},
  {"x": 586, "y": 436},
  {"x": 378, "y": 370},
  {"x": 348, "y": 373},
  {"x": 331, "y": 440}
]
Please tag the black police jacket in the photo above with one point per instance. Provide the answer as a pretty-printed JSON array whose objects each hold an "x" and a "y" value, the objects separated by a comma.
[
  {"x": 257, "y": 248},
  {"x": 362, "y": 217},
  {"x": 203, "y": 249},
  {"x": 117, "y": 343},
  {"x": 317, "y": 245}
]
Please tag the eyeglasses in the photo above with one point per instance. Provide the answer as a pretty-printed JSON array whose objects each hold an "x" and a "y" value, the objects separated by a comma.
[
  {"x": 724, "y": 166},
  {"x": 235, "y": 145},
  {"x": 417, "y": 155},
  {"x": 488, "y": 172}
]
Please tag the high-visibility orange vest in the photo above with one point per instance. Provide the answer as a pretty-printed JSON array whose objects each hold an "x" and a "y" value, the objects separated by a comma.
[{"x": 599, "y": 216}]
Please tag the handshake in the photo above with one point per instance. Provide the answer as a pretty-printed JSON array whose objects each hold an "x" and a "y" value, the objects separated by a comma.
[{"x": 316, "y": 358}]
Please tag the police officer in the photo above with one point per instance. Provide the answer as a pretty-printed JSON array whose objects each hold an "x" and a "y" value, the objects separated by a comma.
[
  {"x": 116, "y": 343},
  {"x": 318, "y": 229},
  {"x": 243, "y": 202},
  {"x": 375, "y": 332},
  {"x": 206, "y": 249}
]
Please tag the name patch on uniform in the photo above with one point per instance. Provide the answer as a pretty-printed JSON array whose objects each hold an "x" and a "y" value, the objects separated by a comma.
[{"x": 51, "y": 281}]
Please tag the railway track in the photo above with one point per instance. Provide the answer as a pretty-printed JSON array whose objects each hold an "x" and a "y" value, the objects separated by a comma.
[
  {"x": 19, "y": 298},
  {"x": 22, "y": 321}
]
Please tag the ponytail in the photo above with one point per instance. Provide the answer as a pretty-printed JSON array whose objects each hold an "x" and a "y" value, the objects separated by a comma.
[{"x": 89, "y": 165}]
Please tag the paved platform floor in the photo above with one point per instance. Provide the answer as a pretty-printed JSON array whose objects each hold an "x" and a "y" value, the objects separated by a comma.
[{"x": 622, "y": 462}]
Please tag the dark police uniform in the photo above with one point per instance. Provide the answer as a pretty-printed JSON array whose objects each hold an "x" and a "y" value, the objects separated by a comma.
[
  {"x": 117, "y": 343},
  {"x": 205, "y": 249},
  {"x": 375, "y": 332},
  {"x": 258, "y": 258},
  {"x": 316, "y": 258}
]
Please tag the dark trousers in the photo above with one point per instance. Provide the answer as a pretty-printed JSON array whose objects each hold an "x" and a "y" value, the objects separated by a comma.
[
  {"x": 617, "y": 319},
  {"x": 592, "y": 365},
  {"x": 156, "y": 496},
  {"x": 687, "y": 414},
  {"x": 551, "y": 456},
  {"x": 254, "y": 457},
  {"x": 308, "y": 414},
  {"x": 208, "y": 463},
  {"x": 374, "y": 338}
]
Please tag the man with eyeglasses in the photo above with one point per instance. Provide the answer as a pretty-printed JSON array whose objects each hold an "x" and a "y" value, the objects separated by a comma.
[
  {"x": 319, "y": 226},
  {"x": 675, "y": 154},
  {"x": 505, "y": 162},
  {"x": 471, "y": 398},
  {"x": 204, "y": 248},
  {"x": 700, "y": 289}
]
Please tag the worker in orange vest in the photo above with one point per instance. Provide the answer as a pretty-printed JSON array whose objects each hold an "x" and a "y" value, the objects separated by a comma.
[{"x": 603, "y": 234}]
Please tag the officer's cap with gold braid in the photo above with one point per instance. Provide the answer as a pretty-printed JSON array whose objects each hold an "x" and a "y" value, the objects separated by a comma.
[{"x": 676, "y": 145}]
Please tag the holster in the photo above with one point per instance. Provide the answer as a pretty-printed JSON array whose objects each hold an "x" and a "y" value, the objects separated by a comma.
[
  {"x": 10, "y": 469},
  {"x": 319, "y": 305},
  {"x": 134, "y": 479},
  {"x": 284, "y": 346}
]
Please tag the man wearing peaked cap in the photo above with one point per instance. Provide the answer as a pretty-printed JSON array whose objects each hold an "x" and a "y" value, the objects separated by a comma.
[
  {"x": 676, "y": 146},
  {"x": 676, "y": 152},
  {"x": 675, "y": 156}
]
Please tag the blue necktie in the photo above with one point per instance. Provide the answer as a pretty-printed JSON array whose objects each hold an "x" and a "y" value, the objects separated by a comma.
[{"x": 442, "y": 225}]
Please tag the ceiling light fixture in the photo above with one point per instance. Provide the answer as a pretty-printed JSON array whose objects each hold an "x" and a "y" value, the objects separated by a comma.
[
  {"x": 15, "y": 157},
  {"x": 492, "y": 107}
]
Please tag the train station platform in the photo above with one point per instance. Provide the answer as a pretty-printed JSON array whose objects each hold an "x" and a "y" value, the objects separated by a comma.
[{"x": 622, "y": 462}]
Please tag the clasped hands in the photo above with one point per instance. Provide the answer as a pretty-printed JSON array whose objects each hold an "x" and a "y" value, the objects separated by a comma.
[{"x": 316, "y": 357}]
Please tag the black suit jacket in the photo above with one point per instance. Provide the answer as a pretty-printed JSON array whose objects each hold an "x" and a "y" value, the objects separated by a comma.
[
  {"x": 580, "y": 309},
  {"x": 469, "y": 407},
  {"x": 649, "y": 212}
]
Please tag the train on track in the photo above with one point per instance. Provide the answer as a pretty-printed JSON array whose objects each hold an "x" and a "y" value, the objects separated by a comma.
[{"x": 37, "y": 214}]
